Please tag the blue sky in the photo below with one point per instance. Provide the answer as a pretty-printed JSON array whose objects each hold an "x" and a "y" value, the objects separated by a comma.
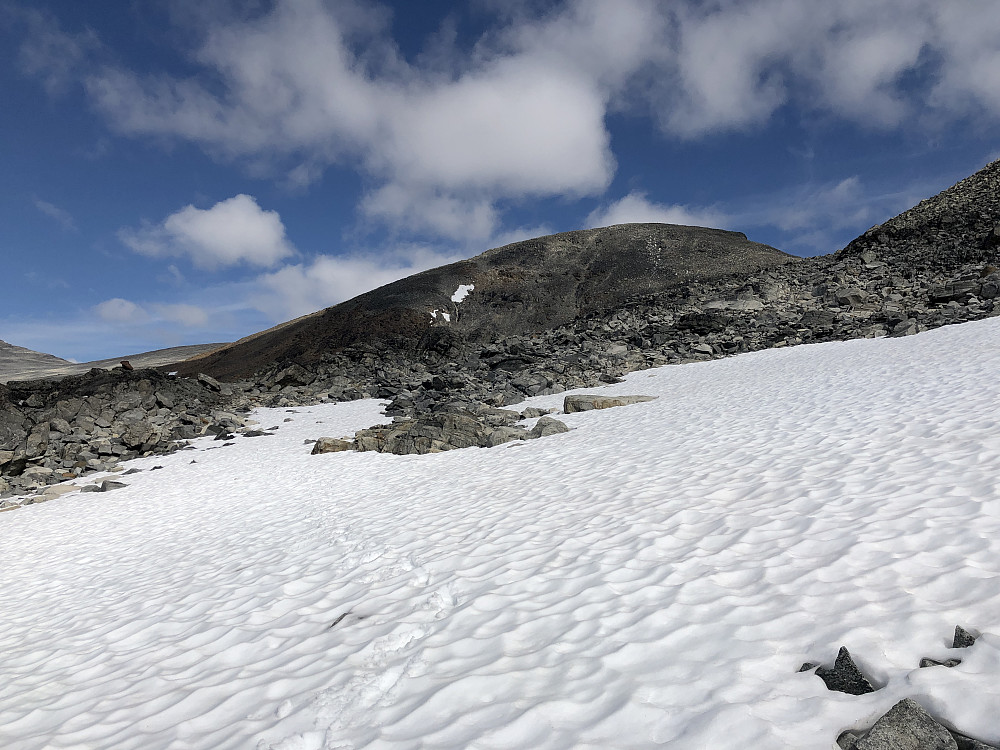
[{"x": 183, "y": 172}]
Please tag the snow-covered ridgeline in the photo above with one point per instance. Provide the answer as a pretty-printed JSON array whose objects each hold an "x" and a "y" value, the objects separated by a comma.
[{"x": 656, "y": 576}]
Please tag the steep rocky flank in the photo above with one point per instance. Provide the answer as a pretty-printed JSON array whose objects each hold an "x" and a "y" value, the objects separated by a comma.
[
  {"x": 523, "y": 287},
  {"x": 959, "y": 225}
]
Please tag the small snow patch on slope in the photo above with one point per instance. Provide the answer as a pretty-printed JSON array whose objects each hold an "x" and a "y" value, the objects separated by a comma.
[{"x": 462, "y": 292}]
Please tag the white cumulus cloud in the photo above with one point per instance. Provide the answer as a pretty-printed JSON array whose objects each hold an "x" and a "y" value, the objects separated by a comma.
[
  {"x": 189, "y": 316},
  {"x": 637, "y": 208},
  {"x": 444, "y": 139},
  {"x": 118, "y": 310},
  {"x": 231, "y": 232}
]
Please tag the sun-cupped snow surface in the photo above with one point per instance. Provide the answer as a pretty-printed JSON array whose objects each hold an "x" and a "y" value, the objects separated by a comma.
[
  {"x": 462, "y": 292},
  {"x": 654, "y": 577}
]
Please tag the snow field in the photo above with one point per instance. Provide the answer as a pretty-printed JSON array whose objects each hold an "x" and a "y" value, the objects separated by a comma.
[{"x": 654, "y": 577}]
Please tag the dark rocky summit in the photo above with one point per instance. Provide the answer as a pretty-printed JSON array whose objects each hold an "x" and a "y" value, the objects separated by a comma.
[
  {"x": 566, "y": 311},
  {"x": 523, "y": 288}
]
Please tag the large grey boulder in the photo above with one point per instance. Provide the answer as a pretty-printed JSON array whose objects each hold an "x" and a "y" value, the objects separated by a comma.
[
  {"x": 587, "y": 402},
  {"x": 906, "y": 726}
]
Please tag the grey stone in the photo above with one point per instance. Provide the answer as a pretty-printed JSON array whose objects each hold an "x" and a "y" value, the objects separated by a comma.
[
  {"x": 851, "y": 297},
  {"x": 848, "y": 740},
  {"x": 907, "y": 726},
  {"x": 137, "y": 433},
  {"x": 586, "y": 402},
  {"x": 164, "y": 399},
  {"x": 532, "y": 412},
  {"x": 332, "y": 445},
  {"x": 60, "y": 425},
  {"x": 502, "y": 435},
  {"x": 108, "y": 485},
  {"x": 209, "y": 382},
  {"x": 844, "y": 676},
  {"x": 963, "y": 638},
  {"x": 925, "y": 662},
  {"x": 548, "y": 426},
  {"x": 965, "y": 742}
]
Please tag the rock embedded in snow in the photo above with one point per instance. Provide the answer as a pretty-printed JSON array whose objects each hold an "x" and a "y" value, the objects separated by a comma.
[
  {"x": 907, "y": 726},
  {"x": 844, "y": 676},
  {"x": 548, "y": 426},
  {"x": 587, "y": 402},
  {"x": 332, "y": 445},
  {"x": 926, "y": 662},
  {"x": 963, "y": 638}
]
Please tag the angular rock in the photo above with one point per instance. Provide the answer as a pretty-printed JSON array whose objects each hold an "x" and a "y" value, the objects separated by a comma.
[
  {"x": 587, "y": 402},
  {"x": 925, "y": 662},
  {"x": 907, "y": 726},
  {"x": 60, "y": 425},
  {"x": 850, "y": 297},
  {"x": 844, "y": 676},
  {"x": 963, "y": 638},
  {"x": 137, "y": 433},
  {"x": 209, "y": 382},
  {"x": 108, "y": 485}
]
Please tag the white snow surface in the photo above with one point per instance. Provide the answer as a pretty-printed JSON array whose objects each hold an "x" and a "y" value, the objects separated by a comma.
[
  {"x": 462, "y": 292},
  {"x": 654, "y": 577}
]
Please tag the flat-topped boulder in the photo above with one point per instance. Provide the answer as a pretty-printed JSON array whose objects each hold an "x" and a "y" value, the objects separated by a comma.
[{"x": 588, "y": 402}]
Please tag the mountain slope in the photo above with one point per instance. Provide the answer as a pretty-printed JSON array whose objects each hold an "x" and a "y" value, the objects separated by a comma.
[
  {"x": 15, "y": 360},
  {"x": 519, "y": 288},
  {"x": 958, "y": 225}
]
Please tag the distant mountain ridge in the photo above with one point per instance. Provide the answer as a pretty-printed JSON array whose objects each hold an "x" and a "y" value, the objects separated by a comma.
[{"x": 18, "y": 363}]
